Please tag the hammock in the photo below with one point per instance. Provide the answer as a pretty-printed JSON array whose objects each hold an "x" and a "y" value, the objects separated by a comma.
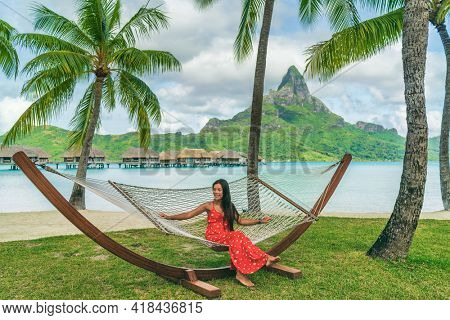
[
  {"x": 263, "y": 201},
  {"x": 253, "y": 197}
]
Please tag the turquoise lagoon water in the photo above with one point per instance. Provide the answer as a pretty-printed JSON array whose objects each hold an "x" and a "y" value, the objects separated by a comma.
[{"x": 366, "y": 187}]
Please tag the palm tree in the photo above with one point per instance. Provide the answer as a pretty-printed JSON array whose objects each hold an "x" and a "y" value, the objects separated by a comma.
[
  {"x": 341, "y": 14},
  {"x": 366, "y": 39},
  {"x": 9, "y": 61},
  {"x": 99, "y": 49},
  {"x": 437, "y": 18},
  {"x": 395, "y": 240}
]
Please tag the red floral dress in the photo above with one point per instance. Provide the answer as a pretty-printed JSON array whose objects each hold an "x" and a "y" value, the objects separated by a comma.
[{"x": 245, "y": 256}]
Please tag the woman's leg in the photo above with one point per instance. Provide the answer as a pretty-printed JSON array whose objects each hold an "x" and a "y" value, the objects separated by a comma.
[
  {"x": 242, "y": 278},
  {"x": 245, "y": 256},
  {"x": 271, "y": 260}
]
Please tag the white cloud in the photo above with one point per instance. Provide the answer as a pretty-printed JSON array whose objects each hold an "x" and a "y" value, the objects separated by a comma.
[
  {"x": 434, "y": 119},
  {"x": 176, "y": 92},
  {"x": 10, "y": 111}
]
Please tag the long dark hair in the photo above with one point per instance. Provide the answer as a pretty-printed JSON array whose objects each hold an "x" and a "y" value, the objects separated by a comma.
[{"x": 229, "y": 210}]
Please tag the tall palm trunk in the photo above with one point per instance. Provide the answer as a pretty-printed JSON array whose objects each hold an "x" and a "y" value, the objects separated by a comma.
[
  {"x": 396, "y": 238},
  {"x": 258, "y": 90},
  {"x": 257, "y": 100},
  {"x": 77, "y": 199},
  {"x": 443, "y": 147}
]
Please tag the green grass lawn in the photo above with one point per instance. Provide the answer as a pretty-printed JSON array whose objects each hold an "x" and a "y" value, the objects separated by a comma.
[{"x": 331, "y": 255}]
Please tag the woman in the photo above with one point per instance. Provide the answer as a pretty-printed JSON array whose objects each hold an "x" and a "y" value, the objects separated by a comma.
[{"x": 245, "y": 257}]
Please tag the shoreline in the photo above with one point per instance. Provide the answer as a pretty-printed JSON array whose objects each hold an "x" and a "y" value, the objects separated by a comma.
[{"x": 32, "y": 225}]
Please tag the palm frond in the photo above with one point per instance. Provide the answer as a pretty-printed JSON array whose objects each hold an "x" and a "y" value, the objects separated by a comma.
[
  {"x": 203, "y": 4},
  {"x": 251, "y": 13},
  {"x": 353, "y": 44},
  {"x": 113, "y": 17},
  {"x": 140, "y": 62},
  {"x": 143, "y": 127},
  {"x": 39, "y": 43},
  {"x": 141, "y": 103},
  {"x": 80, "y": 120},
  {"x": 9, "y": 60},
  {"x": 6, "y": 30},
  {"x": 309, "y": 10},
  {"x": 45, "y": 80},
  {"x": 139, "y": 93},
  {"x": 41, "y": 111},
  {"x": 71, "y": 62},
  {"x": 342, "y": 14},
  {"x": 92, "y": 20},
  {"x": 381, "y": 6},
  {"x": 109, "y": 93},
  {"x": 60, "y": 27},
  {"x": 143, "y": 23},
  {"x": 442, "y": 12}
]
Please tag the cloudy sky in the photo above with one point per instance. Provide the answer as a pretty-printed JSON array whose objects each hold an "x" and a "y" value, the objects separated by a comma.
[{"x": 212, "y": 84}]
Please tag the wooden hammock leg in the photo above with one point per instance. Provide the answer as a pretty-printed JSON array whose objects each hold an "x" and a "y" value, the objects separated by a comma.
[
  {"x": 286, "y": 271},
  {"x": 205, "y": 289}
]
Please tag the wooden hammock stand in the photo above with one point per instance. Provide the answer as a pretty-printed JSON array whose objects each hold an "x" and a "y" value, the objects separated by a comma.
[{"x": 189, "y": 278}]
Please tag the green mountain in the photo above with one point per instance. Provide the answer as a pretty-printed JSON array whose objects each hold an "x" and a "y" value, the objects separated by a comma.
[{"x": 295, "y": 126}]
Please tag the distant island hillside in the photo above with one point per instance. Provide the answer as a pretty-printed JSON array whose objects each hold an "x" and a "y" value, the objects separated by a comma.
[{"x": 296, "y": 126}]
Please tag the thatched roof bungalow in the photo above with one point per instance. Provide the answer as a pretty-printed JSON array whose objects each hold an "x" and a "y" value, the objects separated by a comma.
[
  {"x": 35, "y": 154},
  {"x": 140, "y": 155},
  {"x": 232, "y": 157},
  {"x": 74, "y": 156},
  {"x": 227, "y": 157},
  {"x": 43, "y": 157},
  {"x": 168, "y": 157},
  {"x": 194, "y": 156}
]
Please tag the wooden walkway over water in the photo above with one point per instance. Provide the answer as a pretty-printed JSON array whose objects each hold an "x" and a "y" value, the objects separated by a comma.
[{"x": 124, "y": 165}]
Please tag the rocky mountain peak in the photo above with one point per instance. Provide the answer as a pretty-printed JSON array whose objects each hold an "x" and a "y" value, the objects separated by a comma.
[
  {"x": 293, "y": 90},
  {"x": 293, "y": 82},
  {"x": 372, "y": 127}
]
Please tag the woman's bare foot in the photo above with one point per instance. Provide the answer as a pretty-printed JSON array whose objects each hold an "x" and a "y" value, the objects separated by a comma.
[
  {"x": 271, "y": 260},
  {"x": 244, "y": 280}
]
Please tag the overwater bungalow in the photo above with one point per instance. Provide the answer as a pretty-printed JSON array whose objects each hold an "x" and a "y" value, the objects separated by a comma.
[
  {"x": 140, "y": 157},
  {"x": 168, "y": 158},
  {"x": 215, "y": 157},
  {"x": 194, "y": 157},
  {"x": 227, "y": 158},
  {"x": 37, "y": 155},
  {"x": 43, "y": 157},
  {"x": 6, "y": 154},
  {"x": 230, "y": 157},
  {"x": 72, "y": 157}
]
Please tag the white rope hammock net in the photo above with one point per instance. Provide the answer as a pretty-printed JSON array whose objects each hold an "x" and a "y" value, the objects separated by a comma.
[{"x": 152, "y": 201}]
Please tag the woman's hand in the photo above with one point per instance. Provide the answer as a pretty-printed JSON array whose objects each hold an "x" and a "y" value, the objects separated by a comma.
[
  {"x": 265, "y": 219},
  {"x": 164, "y": 216}
]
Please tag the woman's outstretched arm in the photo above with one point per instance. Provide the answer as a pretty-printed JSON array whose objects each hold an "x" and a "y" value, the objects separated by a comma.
[
  {"x": 186, "y": 215},
  {"x": 250, "y": 222}
]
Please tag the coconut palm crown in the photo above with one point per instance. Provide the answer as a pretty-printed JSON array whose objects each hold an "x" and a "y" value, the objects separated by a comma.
[{"x": 95, "y": 49}]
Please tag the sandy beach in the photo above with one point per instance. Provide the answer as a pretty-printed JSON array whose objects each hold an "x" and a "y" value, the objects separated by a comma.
[{"x": 34, "y": 225}]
